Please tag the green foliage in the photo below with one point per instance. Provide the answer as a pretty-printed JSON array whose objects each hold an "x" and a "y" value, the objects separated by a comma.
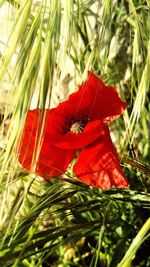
[{"x": 64, "y": 222}]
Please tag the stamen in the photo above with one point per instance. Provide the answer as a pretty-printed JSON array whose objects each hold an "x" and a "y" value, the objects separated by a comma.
[{"x": 77, "y": 127}]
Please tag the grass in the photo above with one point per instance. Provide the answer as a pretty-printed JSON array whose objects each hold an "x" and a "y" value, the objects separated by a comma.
[{"x": 64, "y": 222}]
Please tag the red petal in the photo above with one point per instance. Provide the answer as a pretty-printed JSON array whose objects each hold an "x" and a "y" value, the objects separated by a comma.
[
  {"x": 52, "y": 161},
  {"x": 104, "y": 101},
  {"x": 98, "y": 165},
  {"x": 93, "y": 99}
]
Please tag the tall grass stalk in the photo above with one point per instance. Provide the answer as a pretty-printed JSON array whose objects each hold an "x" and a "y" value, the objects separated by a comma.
[{"x": 51, "y": 47}]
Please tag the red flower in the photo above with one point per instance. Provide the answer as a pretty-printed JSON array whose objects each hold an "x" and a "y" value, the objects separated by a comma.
[{"x": 77, "y": 124}]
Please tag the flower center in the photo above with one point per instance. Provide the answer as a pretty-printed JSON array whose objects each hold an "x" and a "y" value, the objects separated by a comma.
[{"x": 77, "y": 127}]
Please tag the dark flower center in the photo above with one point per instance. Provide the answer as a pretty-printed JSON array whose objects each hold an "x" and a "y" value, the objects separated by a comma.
[{"x": 75, "y": 125}]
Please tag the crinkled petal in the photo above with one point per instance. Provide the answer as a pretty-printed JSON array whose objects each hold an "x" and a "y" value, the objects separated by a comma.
[
  {"x": 98, "y": 165},
  {"x": 104, "y": 101},
  {"x": 93, "y": 99},
  {"x": 46, "y": 160}
]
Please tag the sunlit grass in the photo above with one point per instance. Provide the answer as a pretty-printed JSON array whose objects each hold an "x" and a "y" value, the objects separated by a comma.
[{"x": 39, "y": 220}]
